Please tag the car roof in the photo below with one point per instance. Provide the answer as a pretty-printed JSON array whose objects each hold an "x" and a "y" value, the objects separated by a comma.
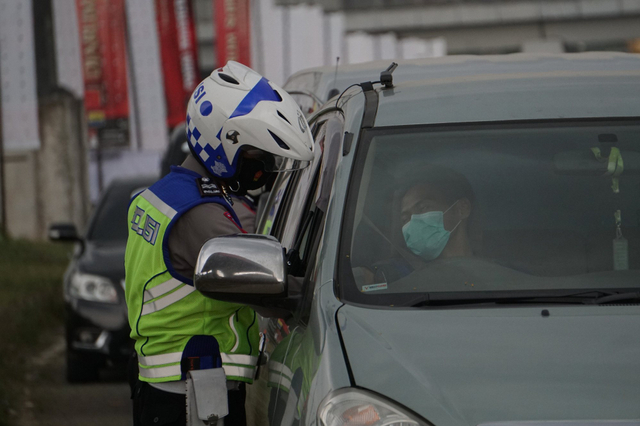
[
  {"x": 321, "y": 80},
  {"x": 460, "y": 89}
]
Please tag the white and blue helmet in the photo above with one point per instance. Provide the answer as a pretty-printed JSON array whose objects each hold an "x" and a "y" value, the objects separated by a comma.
[{"x": 236, "y": 109}]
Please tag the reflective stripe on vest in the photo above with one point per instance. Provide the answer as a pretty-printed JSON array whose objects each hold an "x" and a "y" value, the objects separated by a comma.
[
  {"x": 279, "y": 375},
  {"x": 235, "y": 332},
  {"x": 278, "y": 367},
  {"x": 151, "y": 307},
  {"x": 159, "y": 372},
  {"x": 173, "y": 357},
  {"x": 151, "y": 360},
  {"x": 175, "y": 370},
  {"x": 156, "y": 202},
  {"x": 161, "y": 289},
  {"x": 239, "y": 359},
  {"x": 233, "y": 371},
  {"x": 277, "y": 380}
]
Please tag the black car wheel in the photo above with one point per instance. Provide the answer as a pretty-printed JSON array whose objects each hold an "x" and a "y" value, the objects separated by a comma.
[{"x": 81, "y": 369}]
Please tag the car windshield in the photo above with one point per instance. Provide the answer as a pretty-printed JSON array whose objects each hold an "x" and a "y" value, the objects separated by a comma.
[
  {"x": 109, "y": 222},
  {"x": 493, "y": 208}
]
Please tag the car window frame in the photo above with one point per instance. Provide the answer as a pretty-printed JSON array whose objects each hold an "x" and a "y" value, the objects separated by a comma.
[
  {"x": 344, "y": 278},
  {"x": 310, "y": 231}
]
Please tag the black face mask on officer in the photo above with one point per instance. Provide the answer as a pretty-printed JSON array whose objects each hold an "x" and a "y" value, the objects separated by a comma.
[{"x": 251, "y": 175}]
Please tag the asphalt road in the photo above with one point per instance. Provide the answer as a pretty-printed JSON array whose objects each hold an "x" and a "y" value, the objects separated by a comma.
[{"x": 49, "y": 400}]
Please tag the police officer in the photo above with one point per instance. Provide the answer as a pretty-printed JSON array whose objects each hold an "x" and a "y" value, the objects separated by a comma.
[{"x": 241, "y": 129}]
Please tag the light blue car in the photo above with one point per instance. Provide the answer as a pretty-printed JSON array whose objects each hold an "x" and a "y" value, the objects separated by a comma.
[{"x": 464, "y": 250}]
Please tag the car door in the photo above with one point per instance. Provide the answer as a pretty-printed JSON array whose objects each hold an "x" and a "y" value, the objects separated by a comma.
[{"x": 296, "y": 217}]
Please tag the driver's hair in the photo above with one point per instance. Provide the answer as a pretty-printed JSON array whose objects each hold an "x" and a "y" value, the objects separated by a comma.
[{"x": 450, "y": 183}]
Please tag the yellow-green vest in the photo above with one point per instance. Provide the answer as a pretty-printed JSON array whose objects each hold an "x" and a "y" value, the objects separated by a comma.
[{"x": 174, "y": 326}]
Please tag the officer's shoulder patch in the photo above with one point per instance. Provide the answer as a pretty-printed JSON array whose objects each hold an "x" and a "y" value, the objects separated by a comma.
[{"x": 208, "y": 188}]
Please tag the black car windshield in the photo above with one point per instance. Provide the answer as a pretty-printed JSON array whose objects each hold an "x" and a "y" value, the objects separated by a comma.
[
  {"x": 109, "y": 221},
  {"x": 515, "y": 207}
]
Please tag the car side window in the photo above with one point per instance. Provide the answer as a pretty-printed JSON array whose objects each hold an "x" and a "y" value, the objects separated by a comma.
[
  {"x": 305, "y": 188},
  {"x": 267, "y": 218},
  {"x": 304, "y": 260},
  {"x": 274, "y": 221},
  {"x": 314, "y": 202}
]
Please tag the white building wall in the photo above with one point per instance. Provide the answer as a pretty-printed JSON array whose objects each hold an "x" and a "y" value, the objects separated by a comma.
[
  {"x": 67, "y": 39},
  {"x": 417, "y": 48},
  {"x": 307, "y": 37},
  {"x": 359, "y": 48},
  {"x": 334, "y": 35},
  {"x": 386, "y": 46},
  {"x": 19, "y": 103},
  {"x": 291, "y": 38},
  {"x": 268, "y": 55},
  {"x": 147, "y": 86}
]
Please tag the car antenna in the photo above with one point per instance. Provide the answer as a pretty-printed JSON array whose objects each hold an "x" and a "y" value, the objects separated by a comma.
[
  {"x": 335, "y": 91},
  {"x": 386, "y": 79},
  {"x": 386, "y": 76}
]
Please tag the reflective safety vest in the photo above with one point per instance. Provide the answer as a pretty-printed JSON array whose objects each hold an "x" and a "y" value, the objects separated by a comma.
[{"x": 175, "y": 327}]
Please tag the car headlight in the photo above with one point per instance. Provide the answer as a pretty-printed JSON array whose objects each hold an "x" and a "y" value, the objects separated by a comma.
[
  {"x": 357, "y": 407},
  {"x": 93, "y": 288}
]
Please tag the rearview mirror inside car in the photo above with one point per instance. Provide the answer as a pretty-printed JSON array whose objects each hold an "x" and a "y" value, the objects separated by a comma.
[{"x": 597, "y": 162}]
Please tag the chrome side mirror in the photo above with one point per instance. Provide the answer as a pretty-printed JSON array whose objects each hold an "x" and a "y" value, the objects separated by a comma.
[{"x": 239, "y": 268}]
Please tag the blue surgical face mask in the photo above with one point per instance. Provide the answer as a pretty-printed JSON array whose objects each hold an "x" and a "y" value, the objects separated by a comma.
[{"x": 425, "y": 234}]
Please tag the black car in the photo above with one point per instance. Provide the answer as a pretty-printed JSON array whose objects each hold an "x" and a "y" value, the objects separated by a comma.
[{"x": 97, "y": 330}]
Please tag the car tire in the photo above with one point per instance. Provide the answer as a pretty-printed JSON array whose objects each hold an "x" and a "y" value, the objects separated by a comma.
[{"x": 81, "y": 369}]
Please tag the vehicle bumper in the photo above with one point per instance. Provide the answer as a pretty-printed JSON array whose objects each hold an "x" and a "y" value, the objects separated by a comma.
[{"x": 98, "y": 330}]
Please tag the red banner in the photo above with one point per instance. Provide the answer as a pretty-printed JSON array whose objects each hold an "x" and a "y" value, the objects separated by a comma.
[
  {"x": 233, "y": 31},
  {"x": 178, "y": 48},
  {"x": 102, "y": 37}
]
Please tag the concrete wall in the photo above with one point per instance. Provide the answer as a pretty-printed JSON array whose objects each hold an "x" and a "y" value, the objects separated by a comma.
[
  {"x": 511, "y": 38},
  {"x": 20, "y": 195},
  {"x": 49, "y": 185}
]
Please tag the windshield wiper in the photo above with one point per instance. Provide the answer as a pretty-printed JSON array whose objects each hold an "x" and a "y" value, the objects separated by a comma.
[
  {"x": 586, "y": 297},
  {"x": 618, "y": 297},
  {"x": 583, "y": 298}
]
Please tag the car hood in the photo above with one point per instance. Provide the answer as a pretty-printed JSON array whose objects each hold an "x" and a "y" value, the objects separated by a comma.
[
  {"x": 475, "y": 366},
  {"x": 106, "y": 260}
]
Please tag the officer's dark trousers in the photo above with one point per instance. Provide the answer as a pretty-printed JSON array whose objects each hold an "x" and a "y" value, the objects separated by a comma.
[{"x": 153, "y": 407}]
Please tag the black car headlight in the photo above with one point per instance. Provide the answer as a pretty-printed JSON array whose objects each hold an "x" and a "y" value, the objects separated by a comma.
[
  {"x": 358, "y": 407},
  {"x": 92, "y": 287}
]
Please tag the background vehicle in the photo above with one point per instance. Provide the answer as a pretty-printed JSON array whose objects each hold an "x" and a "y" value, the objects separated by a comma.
[
  {"x": 540, "y": 324},
  {"x": 97, "y": 330},
  {"x": 176, "y": 151}
]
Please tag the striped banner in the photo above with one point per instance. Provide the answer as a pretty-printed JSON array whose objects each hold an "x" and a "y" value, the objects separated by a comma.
[
  {"x": 179, "y": 55},
  {"x": 233, "y": 31}
]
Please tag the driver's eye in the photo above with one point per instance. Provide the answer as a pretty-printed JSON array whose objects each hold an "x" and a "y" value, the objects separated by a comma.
[{"x": 426, "y": 206}]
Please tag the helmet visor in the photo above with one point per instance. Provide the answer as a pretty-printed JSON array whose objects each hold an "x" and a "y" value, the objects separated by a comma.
[
  {"x": 275, "y": 163},
  {"x": 284, "y": 164}
]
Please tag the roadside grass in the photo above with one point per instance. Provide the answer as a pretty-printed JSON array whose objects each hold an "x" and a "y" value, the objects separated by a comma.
[{"x": 30, "y": 305}]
